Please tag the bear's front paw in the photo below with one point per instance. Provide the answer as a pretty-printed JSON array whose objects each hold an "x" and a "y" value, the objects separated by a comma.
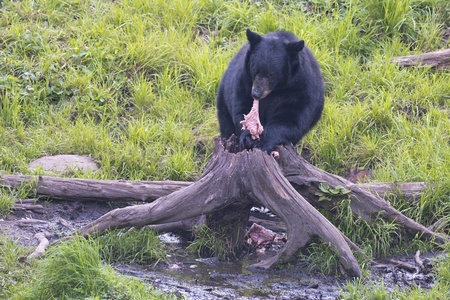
[
  {"x": 246, "y": 141},
  {"x": 268, "y": 147}
]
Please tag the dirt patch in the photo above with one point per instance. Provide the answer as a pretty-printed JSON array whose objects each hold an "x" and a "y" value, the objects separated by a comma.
[{"x": 58, "y": 218}]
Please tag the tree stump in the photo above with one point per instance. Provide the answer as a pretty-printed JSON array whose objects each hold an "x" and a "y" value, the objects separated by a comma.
[{"x": 238, "y": 178}]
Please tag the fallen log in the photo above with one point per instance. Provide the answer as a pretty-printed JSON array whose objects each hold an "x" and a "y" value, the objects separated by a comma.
[
  {"x": 25, "y": 201},
  {"x": 77, "y": 189},
  {"x": 36, "y": 208},
  {"x": 437, "y": 60},
  {"x": 401, "y": 264},
  {"x": 410, "y": 191}
]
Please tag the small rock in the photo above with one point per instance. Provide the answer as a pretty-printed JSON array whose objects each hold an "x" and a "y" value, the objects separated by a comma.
[
  {"x": 64, "y": 163},
  {"x": 64, "y": 223}
]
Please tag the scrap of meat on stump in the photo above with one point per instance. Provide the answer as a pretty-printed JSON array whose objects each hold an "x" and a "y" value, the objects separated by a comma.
[{"x": 258, "y": 235}]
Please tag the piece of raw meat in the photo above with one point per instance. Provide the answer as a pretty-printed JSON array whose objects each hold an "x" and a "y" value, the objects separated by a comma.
[
  {"x": 251, "y": 121},
  {"x": 258, "y": 235}
]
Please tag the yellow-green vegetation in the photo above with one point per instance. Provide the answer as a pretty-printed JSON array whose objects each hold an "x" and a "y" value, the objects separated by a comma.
[
  {"x": 13, "y": 272},
  {"x": 9, "y": 196},
  {"x": 71, "y": 270},
  {"x": 132, "y": 83},
  {"x": 141, "y": 246},
  {"x": 216, "y": 242}
]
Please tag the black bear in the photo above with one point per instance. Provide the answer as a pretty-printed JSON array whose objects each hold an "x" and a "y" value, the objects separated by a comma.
[{"x": 280, "y": 71}]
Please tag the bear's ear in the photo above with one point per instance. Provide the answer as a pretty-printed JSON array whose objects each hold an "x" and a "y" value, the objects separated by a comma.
[
  {"x": 295, "y": 47},
  {"x": 253, "y": 37}
]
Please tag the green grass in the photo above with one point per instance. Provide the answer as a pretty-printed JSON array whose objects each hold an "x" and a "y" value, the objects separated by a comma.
[
  {"x": 13, "y": 272},
  {"x": 132, "y": 84},
  {"x": 141, "y": 246},
  {"x": 216, "y": 242},
  {"x": 71, "y": 270},
  {"x": 7, "y": 201},
  {"x": 10, "y": 196}
]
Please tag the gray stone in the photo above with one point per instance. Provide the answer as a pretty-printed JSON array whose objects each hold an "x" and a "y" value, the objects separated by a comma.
[{"x": 64, "y": 163}]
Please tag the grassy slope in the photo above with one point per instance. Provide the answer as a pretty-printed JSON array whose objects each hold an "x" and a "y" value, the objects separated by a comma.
[{"x": 132, "y": 83}]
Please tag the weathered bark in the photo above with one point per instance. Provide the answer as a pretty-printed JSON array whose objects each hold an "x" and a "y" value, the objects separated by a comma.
[
  {"x": 76, "y": 189},
  {"x": 400, "y": 264},
  {"x": 438, "y": 60},
  {"x": 36, "y": 208},
  {"x": 439, "y": 225},
  {"x": 25, "y": 201},
  {"x": 238, "y": 179},
  {"x": 183, "y": 225},
  {"x": 425, "y": 266},
  {"x": 410, "y": 191}
]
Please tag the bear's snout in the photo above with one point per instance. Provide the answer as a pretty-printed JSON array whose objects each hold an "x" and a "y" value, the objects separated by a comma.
[
  {"x": 257, "y": 93},
  {"x": 260, "y": 88}
]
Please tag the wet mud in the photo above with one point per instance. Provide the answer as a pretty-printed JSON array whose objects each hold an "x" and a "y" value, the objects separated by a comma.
[{"x": 211, "y": 278}]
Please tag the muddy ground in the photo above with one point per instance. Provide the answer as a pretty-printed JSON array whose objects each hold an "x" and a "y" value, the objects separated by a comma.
[{"x": 207, "y": 278}]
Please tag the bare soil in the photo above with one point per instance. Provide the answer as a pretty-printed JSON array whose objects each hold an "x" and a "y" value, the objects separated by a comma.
[{"x": 208, "y": 278}]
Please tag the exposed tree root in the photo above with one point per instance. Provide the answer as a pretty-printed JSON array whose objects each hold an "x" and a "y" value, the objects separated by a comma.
[
  {"x": 306, "y": 178},
  {"x": 243, "y": 177},
  {"x": 410, "y": 191}
]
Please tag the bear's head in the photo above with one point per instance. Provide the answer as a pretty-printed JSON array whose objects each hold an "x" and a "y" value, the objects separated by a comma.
[{"x": 271, "y": 60}]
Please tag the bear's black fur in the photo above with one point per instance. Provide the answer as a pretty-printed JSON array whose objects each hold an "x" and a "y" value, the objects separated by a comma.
[{"x": 283, "y": 74}]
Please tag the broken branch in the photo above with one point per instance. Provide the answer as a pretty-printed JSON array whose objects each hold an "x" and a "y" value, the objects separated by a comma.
[
  {"x": 40, "y": 249},
  {"x": 437, "y": 59}
]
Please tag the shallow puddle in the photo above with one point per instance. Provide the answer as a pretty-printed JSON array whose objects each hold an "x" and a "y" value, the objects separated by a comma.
[
  {"x": 211, "y": 278},
  {"x": 229, "y": 280}
]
